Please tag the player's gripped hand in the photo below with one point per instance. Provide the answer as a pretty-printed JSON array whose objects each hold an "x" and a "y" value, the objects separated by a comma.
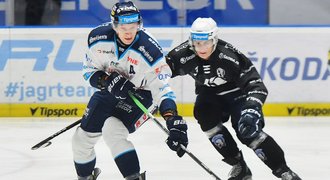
[
  {"x": 177, "y": 134},
  {"x": 251, "y": 122},
  {"x": 119, "y": 85}
]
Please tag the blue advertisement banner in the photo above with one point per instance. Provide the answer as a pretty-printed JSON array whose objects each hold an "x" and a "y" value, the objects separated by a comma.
[
  {"x": 164, "y": 12},
  {"x": 2, "y": 18},
  {"x": 2, "y": 13},
  {"x": 249, "y": 12},
  {"x": 169, "y": 12}
]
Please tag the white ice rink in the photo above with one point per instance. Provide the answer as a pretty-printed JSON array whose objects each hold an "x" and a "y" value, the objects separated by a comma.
[{"x": 305, "y": 142}]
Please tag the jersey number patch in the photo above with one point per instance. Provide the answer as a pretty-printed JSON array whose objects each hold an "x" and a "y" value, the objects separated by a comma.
[{"x": 131, "y": 69}]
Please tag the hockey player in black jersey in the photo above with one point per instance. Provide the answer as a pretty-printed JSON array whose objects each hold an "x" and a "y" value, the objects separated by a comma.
[{"x": 228, "y": 86}]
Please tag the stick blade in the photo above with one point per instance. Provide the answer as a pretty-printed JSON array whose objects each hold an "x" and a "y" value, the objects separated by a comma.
[{"x": 37, "y": 146}]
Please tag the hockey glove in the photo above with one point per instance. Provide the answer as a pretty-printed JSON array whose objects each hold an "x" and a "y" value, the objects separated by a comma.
[
  {"x": 178, "y": 134},
  {"x": 251, "y": 122},
  {"x": 119, "y": 85}
]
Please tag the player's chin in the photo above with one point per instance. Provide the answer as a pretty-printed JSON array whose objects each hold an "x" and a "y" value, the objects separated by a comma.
[
  {"x": 128, "y": 41},
  {"x": 204, "y": 56}
]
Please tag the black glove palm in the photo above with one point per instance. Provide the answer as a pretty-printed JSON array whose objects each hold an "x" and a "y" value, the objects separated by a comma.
[
  {"x": 251, "y": 122},
  {"x": 178, "y": 134}
]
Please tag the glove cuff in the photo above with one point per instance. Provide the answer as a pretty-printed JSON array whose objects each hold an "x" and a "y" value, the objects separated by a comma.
[
  {"x": 251, "y": 105},
  {"x": 168, "y": 108}
]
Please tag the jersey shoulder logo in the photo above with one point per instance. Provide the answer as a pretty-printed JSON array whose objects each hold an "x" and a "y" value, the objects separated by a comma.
[
  {"x": 231, "y": 47},
  {"x": 146, "y": 53},
  {"x": 181, "y": 46},
  {"x": 226, "y": 57},
  {"x": 184, "y": 60}
]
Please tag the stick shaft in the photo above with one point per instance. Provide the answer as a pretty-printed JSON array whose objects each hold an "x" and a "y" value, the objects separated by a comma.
[
  {"x": 55, "y": 134},
  {"x": 145, "y": 110}
]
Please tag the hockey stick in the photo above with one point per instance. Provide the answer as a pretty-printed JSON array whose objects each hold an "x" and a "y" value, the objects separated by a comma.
[
  {"x": 46, "y": 142},
  {"x": 145, "y": 110}
]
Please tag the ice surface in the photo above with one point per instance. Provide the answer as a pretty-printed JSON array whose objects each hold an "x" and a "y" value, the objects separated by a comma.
[{"x": 305, "y": 142}]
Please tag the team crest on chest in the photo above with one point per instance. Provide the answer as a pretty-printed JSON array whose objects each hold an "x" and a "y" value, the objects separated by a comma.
[{"x": 221, "y": 73}]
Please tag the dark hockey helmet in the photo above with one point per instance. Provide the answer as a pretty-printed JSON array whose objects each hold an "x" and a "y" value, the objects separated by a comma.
[{"x": 125, "y": 13}]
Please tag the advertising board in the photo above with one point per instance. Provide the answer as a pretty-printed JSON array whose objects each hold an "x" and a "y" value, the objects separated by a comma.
[
  {"x": 41, "y": 67},
  {"x": 169, "y": 12}
]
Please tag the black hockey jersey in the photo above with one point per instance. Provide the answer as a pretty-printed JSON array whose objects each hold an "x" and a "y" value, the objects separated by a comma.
[{"x": 227, "y": 70}]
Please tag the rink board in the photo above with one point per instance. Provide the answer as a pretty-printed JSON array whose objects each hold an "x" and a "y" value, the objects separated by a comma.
[
  {"x": 77, "y": 110},
  {"x": 40, "y": 69}
]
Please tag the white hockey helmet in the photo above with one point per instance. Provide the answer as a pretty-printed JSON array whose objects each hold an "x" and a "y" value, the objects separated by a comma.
[{"x": 204, "y": 29}]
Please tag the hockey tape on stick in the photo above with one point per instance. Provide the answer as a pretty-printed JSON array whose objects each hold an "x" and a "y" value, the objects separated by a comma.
[
  {"x": 145, "y": 110},
  {"x": 46, "y": 142}
]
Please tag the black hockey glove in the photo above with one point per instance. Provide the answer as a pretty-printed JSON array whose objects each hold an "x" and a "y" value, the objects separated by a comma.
[
  {"x": 178, "y": 134},
  {"x": 251, "y": 122},
  {"x": 119, "y": 85}
]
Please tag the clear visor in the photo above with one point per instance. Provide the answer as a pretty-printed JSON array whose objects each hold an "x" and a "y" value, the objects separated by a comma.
[
  {"x": 202, "y": 44},
  {"x": 127, "y": 28}
]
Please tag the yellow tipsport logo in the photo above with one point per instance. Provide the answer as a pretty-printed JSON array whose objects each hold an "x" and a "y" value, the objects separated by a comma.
[
  {"x": 278, "y": 109},
  {"x": 318, "y": 109},
  {"x": 41, "y": 110},
  {"x": 77, "y": 110}
]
